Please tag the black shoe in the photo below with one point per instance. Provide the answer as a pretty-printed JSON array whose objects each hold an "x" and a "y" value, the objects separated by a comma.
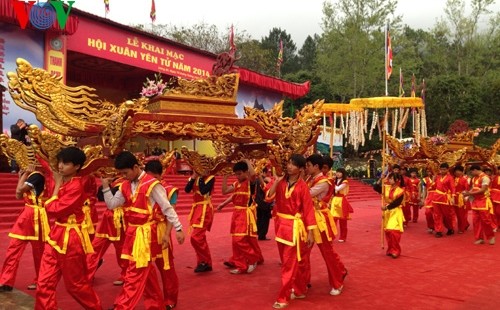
[
  {"x": 99, "y": 264},
  {"x": 203, "y": 267},
  {"x": 229, "y": 264},
  {"x": 6, "y": 288},
  {"x": 439, "y": 234},
  {"x": 170, "y": 307},
  {"x": 450, "y": 232}
]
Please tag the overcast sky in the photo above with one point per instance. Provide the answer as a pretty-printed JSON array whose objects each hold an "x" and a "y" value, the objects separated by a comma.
[{"x": 299, "y": 18}]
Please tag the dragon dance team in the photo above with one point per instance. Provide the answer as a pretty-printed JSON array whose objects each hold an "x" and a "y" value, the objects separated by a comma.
[{"x": 308, "y": 204}]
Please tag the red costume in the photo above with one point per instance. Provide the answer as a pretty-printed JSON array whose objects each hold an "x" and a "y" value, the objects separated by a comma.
[
  {"x": 31, "y": 227},
  {"x": 461, "y": 210},
  {"x": 246, "y": 250},
  {"x": 109, "y": 231},
  {"x": 325, "y": 232},
  {"x": 482, "y": 209},
  {"x": 430, "y": 188},
  {"x": 201, "y": 216},
  {"x": 294, "y": 214},
  {"x": 65, "y": 253},
  {"x": 412, "y": 203},
  {"x": 495, "y": 197},
  {"x": 442, "y": 203},
  {"x": 341, "y": 208},
  {"x": 140, "y": 246},
  {"x": 165, "y": 261},
  {"x": 393, "y": 197}
]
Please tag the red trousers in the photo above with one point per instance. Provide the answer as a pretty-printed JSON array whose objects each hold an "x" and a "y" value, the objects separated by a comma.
[
  {"x": 169, "y": 280},
  {"x": 334, "y": 266},
  {"x": 292, "y": 271},
  {"x": 393, "y": 238},
  {"x": 101, "y": 245},
  {"x": 407, "y": 212},
  {"x": 429, "y": 217},
  {"x": 415, "y": 209},
  {"x": 72, "y": 266},
  {"x": 200, "y": 245},
  {"x": 246, "y": 251},
  {"x": 342, "y": 225},
  {"x": 462, "y": 221},
  {"x": 483, "y": 228},
  {"x": 496, "y": 216},
  {"x": 139, "y": 281},
  {"x": 13, "y": 256},
  {"x": 443, "y": 215}
]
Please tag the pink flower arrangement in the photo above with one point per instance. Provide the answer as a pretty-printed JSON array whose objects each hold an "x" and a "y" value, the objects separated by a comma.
[
  {"x": 439, "y": 139},
  {"x": 154, "y": 87}
]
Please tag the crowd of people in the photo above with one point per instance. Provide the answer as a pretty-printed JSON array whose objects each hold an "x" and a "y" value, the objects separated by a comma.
[{"x": 308, "y": 203}]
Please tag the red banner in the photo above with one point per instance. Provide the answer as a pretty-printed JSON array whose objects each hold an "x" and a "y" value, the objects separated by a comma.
[{"x": 104, "y": 41}]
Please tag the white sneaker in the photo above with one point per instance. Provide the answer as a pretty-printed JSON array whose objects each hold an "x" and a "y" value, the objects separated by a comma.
[
  {"x": 336, "y": 292},
  {"x": 234, "y": 271},
  {"x": 251, "y": 268},
  {"x": 492, "y": 241},
  {"x": 479, "y": 241},
  {"x": 341, "y": 241}
]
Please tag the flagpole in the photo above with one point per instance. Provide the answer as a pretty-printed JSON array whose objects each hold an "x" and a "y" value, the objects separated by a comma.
[{"x": 385, "y": 68}]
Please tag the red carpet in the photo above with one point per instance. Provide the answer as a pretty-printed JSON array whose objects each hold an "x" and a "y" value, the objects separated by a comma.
[{"x": 446, "y": 273}]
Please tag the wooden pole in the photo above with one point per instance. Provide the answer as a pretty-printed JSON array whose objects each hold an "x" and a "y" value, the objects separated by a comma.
[
  {"x": 382, "y": 194},
  {"x": 332, "y": 140}
]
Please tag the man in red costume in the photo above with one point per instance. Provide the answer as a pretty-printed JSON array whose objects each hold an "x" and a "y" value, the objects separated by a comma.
[
  {"x": 138, "y": 194},
  {"x": 109, "y": 231},
  {"x": 321, "y": 192},
  {"x": 481, "y": 206},
  {"x": 65, "y": 254},
  {"x": 246, "y": 250},
  {"x": 429, "y": 190},
  {"x": 495, "y": 195},
  {"x": 30, "y": 227},
  {"x": 294, "y": 225},
  {"x": 165, "y": 261},
  {"x": 442, "y": 203},
  {"x": 201, "y": 218},
  {"x": 413, "y": 193},
  {"x": 461, "y": 185}
]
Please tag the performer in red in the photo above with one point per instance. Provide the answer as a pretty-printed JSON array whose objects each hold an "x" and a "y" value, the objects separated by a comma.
[
  {"x": 109, "y": 231},
  {"x": 429, "y": 190},
  {"x": 481, "y": 206},
  {"x": 413, "y": 191},
  {"x": 30, "y": 227},
  {"x": 68, "y": 242},
  {"x": 138, "y": 194},
  {"x": 165, "y": 261},
  {"x": 393, "y": 216},
  {"x": 246, "y": 249},
  {"x": 461, "y": 209},
  {"x": 324, "y": 234},
  {"x": 294, "y": 224},
  {"x": 495, "y": 195},
  {"x": 341, "y": 208},
  {"x": 489, "y": 172},
  {"x": 201, "y": 218},
  {"x": 442, "y": 203}
]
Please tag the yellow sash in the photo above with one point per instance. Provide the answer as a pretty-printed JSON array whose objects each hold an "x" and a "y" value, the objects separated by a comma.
[
  {"x": 87, "y": 220},
  {"x": 161, "y": 230},
  {"x": 118, "y": 219},
  {"x": 251, "y": 222},
  {"x": 82, "y": 233},
  {"x": 141, "y": 250},
  {"x": 299, "y": 230}
]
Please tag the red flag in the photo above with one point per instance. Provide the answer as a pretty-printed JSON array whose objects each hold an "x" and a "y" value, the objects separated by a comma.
[
  {"x": 153, "y": 11},
  {"x": 106, "y": 5},
  {"x": 389, "y": 54},
  {"x": 232, "y": 46},
  {"x": 280, "y": 55}
]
